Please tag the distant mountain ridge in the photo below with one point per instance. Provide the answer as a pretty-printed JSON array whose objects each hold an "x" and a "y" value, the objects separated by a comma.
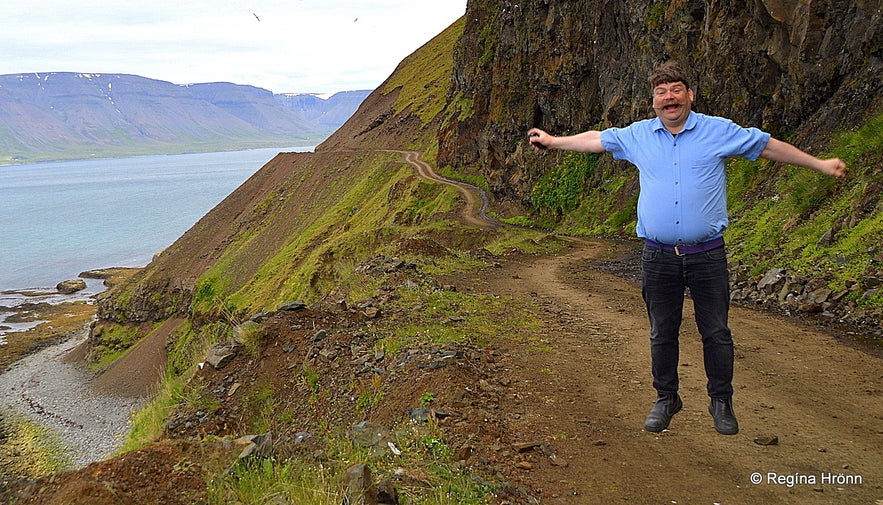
[
  {"x": 66, "y": 115},
  {"x": 328, "y": 113}
]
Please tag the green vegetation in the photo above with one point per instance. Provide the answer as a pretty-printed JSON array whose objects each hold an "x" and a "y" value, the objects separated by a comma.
[
  {"x": 655, "y": 16},
  {"x": 28, "y": 449},
  {"x": 477, "y": 180},
  {"x": 560, "y": 190},
  {"x": 148, "y": 423},
  {"x": 440, "y": 317},
  {"x": 425, "y": 472},
  {"x": 112, "y": 341},
  {"x": 365, "y": 209},
  {"x": 426, "y": 399},
  {"x": 189, "y": 346},
  {"x": 575, "y": 198},
  {"x": 781, "y": 212},
  {"x": 424, "y": 76}
]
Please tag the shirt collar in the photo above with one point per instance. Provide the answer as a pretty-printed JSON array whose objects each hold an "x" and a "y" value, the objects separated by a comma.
[{"x": 689, "y": 125}]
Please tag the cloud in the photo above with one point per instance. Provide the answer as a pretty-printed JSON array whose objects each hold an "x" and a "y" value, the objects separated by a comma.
[{"x": 294, "y": 46}]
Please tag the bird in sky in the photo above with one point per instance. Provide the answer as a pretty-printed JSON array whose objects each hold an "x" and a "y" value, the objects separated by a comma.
[{"x": 256, "y": 17}]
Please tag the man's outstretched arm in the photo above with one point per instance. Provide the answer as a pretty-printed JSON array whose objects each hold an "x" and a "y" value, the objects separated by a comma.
[
  {"x": 783, "y": 152},
  {"x": 586, "y": 142}
]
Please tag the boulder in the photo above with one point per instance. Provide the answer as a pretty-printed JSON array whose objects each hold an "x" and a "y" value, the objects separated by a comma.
[
  {"x": 772, "y": 281},
  {"x": 820, "y": 296},
  {"x": 292, "y": 306},
  {"x": 255, "y": 446},
  {"x": 261, "y": 317},
  {"x": 71, "y": 286},
  {"x": 371, "y": 436},
  {"x": 220, "y": 355},
  {"x": 827, "y": 239},
  {"x": 358, "y": 484}
]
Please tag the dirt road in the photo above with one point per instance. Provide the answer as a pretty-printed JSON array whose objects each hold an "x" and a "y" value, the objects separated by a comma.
[
  {"x": 475, "y": 202},
  {"x": 585, "y": 388},
  {"x": 588, "y": 389}
]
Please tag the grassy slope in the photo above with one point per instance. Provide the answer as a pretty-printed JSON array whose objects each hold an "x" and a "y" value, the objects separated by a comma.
[
  {"x": 342, "y": 223},
  {"x": 302, "y": 237},
  {"x": 781, "y": 212}
]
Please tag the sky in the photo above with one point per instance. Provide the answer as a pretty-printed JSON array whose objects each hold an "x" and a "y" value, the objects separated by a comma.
[{"x": 285, "y": 46}]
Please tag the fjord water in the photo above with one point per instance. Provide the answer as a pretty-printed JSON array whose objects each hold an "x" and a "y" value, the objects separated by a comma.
[{"x": 61, "y": 218}]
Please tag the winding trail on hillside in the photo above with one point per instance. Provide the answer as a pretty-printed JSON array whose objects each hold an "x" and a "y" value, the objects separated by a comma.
[
  {"x": 584, "y": 387},
  {"x": 476, "y": 202}
]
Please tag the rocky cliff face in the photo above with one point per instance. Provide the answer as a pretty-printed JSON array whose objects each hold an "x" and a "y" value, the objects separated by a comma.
[
  {"x": 788, "y": 66},
  {"x": 793, "y": 68}
]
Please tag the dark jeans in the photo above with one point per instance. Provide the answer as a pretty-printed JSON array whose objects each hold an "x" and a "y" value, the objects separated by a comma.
[{"x": 666, "y": 276}]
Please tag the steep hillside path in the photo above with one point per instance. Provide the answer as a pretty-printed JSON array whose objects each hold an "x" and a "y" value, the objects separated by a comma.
[
  {"x": 474, "y": 212},
  {"x": 583, "y": 388}
]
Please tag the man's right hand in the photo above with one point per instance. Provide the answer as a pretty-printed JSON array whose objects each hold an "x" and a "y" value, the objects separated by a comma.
[
  {"x": 537, "y": 138},
  {"x": 834, "y": 167}
]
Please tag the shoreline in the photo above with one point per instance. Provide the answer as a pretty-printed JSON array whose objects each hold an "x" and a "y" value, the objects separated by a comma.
[
  {"x": 56, "y": 393},
  {"x": 44, "y": 380},
  {"x": 31, "y": 319}
]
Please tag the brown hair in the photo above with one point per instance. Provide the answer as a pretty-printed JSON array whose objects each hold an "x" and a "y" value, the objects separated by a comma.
[{"x": 667, "y": 73}]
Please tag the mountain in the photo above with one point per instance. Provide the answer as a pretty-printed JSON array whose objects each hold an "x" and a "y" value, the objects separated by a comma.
[
  {"x": 329, "y": 113},
  {"x": 73, "y": 115}
]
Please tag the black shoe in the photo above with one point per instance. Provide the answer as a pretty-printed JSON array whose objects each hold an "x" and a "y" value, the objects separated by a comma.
[
  {"x": 662, "y": 412},
  {"x": 724, "y": 419}
]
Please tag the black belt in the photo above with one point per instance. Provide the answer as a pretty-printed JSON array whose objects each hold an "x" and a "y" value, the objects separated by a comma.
[{"x": 684, "y": 249}]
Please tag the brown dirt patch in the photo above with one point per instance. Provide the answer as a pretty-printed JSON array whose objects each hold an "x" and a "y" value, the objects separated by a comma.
[
  {"x": 139, "y": 371},
  {"x": 169, "y": 472}
]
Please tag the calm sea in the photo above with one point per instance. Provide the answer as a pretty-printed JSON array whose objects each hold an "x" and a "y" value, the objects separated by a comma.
[{"x": 62, "y": 218}]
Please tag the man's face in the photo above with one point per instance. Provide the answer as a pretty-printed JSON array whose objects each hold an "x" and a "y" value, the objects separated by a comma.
[{"x": 672, "y": 102}]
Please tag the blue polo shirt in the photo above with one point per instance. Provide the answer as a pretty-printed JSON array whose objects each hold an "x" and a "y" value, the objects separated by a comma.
[{"x": 683, "y": 198}]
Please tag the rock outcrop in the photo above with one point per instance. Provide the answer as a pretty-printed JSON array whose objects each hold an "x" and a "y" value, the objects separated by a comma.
[
  {"x": 71, "y": 286},
  {"x": 782, "y": 65},
  {"x": 798, "y": 295}
]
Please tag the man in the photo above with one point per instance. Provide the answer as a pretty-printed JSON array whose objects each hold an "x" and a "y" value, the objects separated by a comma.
[{"x": 681, "y": 158}]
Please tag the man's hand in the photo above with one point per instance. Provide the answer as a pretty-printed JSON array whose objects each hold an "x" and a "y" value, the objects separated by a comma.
[
  {"x": 585, "y": 142},
  {"x": 538, "y": 138},
  {"x": 834, "y": 167}
]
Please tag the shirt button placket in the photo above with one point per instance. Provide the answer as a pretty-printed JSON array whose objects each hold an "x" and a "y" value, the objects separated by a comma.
[{"x": 677, "y": 195}]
